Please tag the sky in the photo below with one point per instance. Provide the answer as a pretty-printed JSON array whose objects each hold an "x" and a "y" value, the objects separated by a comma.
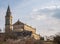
[{"x": 44, "y": 15}]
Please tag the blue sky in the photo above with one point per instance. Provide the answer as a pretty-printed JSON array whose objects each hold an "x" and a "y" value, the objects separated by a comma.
[{"x": 44, "y": 15}]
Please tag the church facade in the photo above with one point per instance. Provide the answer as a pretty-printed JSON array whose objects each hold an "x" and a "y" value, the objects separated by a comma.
[{"x": 18, "y": 26}]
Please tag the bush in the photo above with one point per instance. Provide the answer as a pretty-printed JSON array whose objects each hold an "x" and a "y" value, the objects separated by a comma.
[{"x": 57, "y": 39}]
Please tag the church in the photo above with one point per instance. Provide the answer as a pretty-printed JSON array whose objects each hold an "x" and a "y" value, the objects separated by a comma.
[{"x": 18, "y": 27}]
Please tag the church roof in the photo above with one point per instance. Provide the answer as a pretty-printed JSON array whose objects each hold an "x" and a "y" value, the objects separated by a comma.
[{"x": 18, "y": 23}]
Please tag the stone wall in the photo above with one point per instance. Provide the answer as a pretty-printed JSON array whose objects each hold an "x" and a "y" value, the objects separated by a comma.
[
  {"x": 29, "y": 28},
  {"x": 18, "y": 28},
  {"x": 36, "y": 36}
]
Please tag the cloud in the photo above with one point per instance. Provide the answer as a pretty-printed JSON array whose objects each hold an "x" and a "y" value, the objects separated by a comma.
[
  {"x": 57, "y": 13},
  {"x": 45, "y": 20},
  {"x": 49, "y": 11},
  {"x": 2, "y": 18},
  {"x": 41, "y": 14}
]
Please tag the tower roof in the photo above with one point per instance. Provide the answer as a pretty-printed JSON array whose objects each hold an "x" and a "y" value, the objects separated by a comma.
[
  {"x": 8, "y": 9},
  {"x": 8, "y": 13}
]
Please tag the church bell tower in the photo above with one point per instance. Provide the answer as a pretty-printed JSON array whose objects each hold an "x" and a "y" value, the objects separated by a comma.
[{"x": 8, "y": 21}]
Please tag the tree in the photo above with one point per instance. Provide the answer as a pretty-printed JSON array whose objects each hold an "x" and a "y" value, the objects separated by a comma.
[
  {"x": 42, "y": 38},
  {"x": 0, "y": 30},
  {"x": 57, "y": 39},
  {"x": 10, "y": 36}
]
